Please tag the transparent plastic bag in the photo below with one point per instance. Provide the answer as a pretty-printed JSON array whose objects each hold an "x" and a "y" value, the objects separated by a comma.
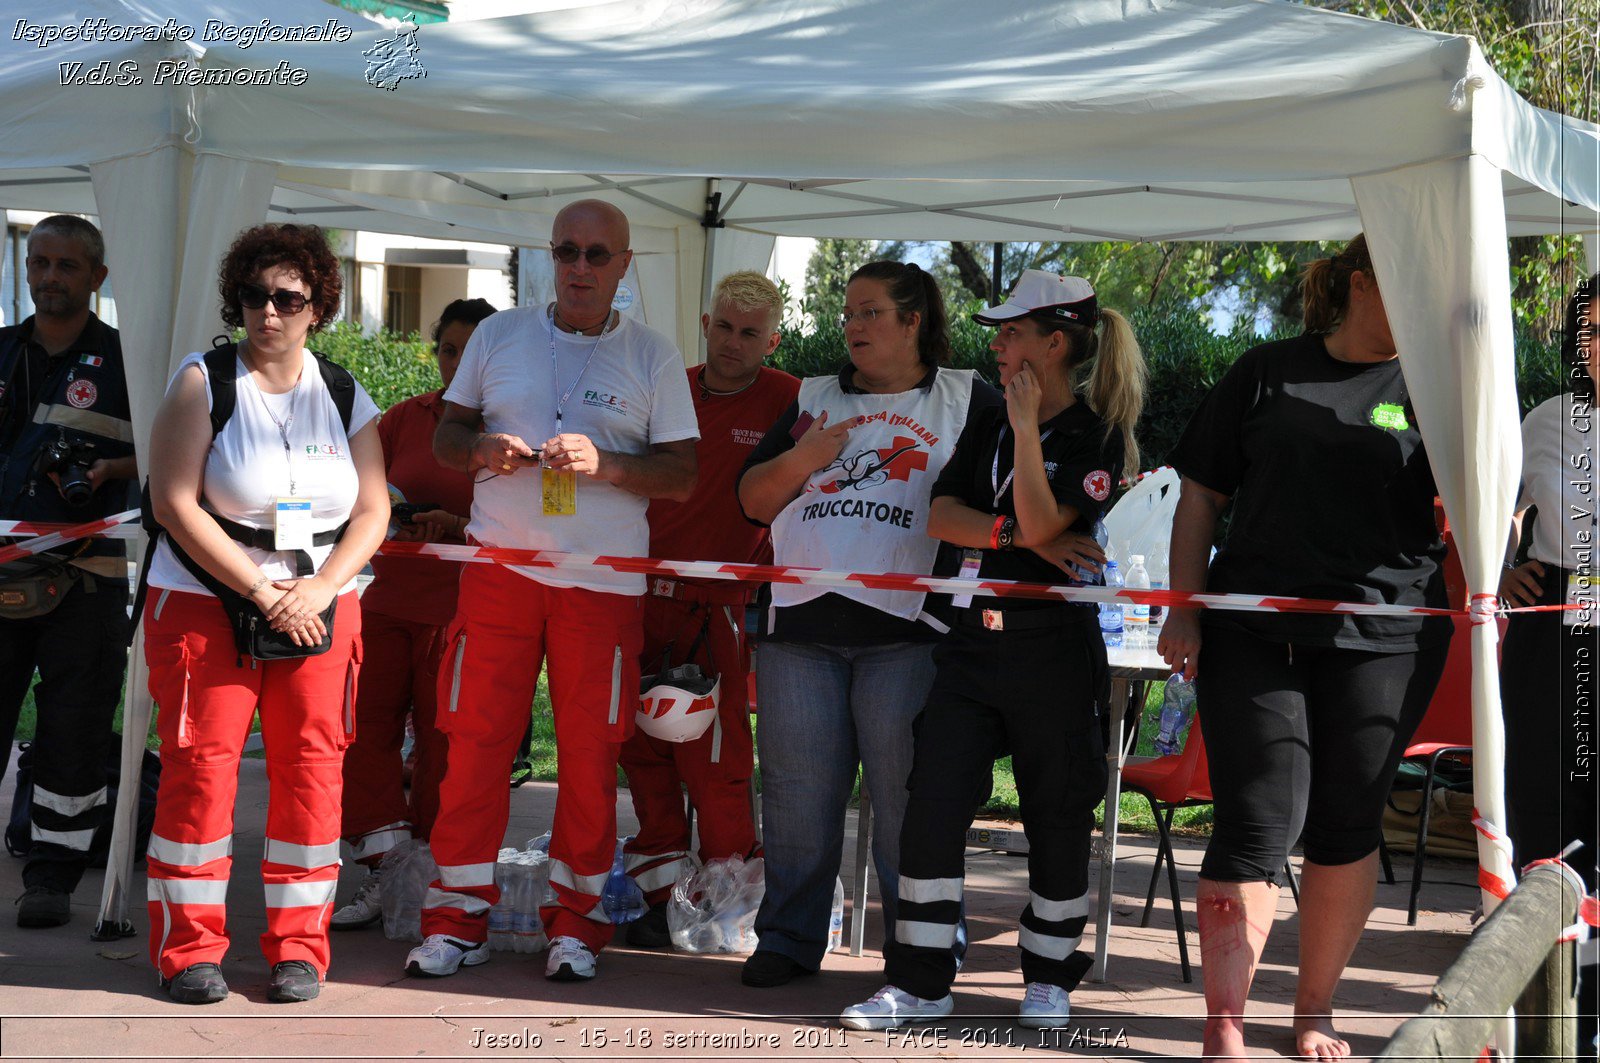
[
  {"x": 713, "y": 908},
  {"x": 407, "y": 870}
]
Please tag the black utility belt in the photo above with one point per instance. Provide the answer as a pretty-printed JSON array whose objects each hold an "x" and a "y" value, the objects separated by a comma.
[
  {"x": 1001, "y": 619},
  {"x": 263, "y": 539}
]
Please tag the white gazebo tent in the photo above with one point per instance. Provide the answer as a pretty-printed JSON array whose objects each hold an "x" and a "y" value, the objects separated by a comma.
[{"x": 718, "y": 124}]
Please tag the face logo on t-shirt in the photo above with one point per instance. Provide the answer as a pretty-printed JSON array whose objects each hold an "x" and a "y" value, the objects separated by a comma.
[
  {"x": 323, "y": 452},
  {"x": 601, "y": 400},
  {"x": 1390, "y": 415},
  {"x": 82, "y": 393},
  {"x": 1097, "y": 485}
]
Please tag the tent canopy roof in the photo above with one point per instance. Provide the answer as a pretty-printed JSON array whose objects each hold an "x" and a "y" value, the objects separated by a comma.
[{"x": 1094, "y": 119}]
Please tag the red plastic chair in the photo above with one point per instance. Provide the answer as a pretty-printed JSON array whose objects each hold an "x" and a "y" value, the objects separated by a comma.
[{"x": 1168, "y": 783}]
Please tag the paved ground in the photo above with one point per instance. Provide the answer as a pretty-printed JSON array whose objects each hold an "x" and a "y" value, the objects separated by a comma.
[{"x": 66, "y": 997}]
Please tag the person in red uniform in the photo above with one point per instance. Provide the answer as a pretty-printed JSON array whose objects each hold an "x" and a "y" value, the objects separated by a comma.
[
  {"x": 406, "y": 609},
  {"x": 736, "y": 399}
]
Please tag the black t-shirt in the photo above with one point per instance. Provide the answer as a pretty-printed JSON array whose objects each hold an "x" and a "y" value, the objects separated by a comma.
[
  {"x": 1332, "y": 494},
  {"x": 1082, "y": 461},
  {"x": 833, "y": 619}
]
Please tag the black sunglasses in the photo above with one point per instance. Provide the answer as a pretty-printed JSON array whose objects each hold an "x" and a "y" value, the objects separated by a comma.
[
  {"x": 287, "y": 303},
  {"x": 567, "y": 254}
]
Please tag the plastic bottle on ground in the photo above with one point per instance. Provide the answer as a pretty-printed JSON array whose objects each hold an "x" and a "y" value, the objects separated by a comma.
[
  {"x": 1110, "y": 613},
  {"x": 1136, "y": 615},
  {"x": 1177, "y": 709},
  {"x": 836, "y": 918}
]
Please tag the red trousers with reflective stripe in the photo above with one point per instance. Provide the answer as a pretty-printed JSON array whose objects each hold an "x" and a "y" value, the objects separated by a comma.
[
  {"x": 205, "y": 700},
  {"x": 399, "y": 673},
  {"x": 657, "y": 771},
  {"x": 506, "y": 626}
]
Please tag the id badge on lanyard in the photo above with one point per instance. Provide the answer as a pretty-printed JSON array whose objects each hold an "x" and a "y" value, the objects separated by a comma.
[
  {"x": 559, "y": 492},
  {"x": 971, "y": 561},
  {"x": 291, "y": 524}
]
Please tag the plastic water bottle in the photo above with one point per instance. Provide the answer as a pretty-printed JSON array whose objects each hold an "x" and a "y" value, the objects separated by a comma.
[
  {"x": 1177, "y": 709},
  {"x": 622, "y": 898},
  {"x": 1158, "y": 582},
  {"x": 1110, "y": 613},
  {"x": 1136, "y": 615},
  {"x": 836, "y": 917},
  {"x": 1082, "y": 577}
]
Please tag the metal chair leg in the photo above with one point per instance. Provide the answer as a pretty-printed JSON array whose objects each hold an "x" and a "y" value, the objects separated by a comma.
[
  {"x": 1155, "y": 870},
  {"x": 1383, "y": 859},
  {"x": 1294, "y": 883},
  {"x": 1163, "y": 824},
  {"x": 1421, "y": 854}
]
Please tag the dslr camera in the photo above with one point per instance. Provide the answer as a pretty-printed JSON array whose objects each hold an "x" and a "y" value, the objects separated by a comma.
[{"x": 70, "y": 461}]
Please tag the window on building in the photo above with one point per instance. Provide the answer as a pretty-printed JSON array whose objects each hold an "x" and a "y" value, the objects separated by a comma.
[{"x": 402, "y": 312}]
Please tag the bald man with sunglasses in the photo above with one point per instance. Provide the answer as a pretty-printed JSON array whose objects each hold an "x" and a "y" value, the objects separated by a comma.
[{"x": 570, "y": 417}]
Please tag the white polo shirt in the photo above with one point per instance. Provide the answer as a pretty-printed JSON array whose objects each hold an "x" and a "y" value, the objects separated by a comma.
[{"x": 630, "y": 395}]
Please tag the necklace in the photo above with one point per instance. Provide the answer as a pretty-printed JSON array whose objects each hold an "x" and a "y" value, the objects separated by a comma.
[
  {"x": 561, "y": 402},
  {"x": 285, "y": 423},
  {"x": 567, "y": 325},
  {"x": 706, "y": 390}
]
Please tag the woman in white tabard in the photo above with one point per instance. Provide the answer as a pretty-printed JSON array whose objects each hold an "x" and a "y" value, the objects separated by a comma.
[
  {"x": 1547, "y": 666},
  {"x": 266, "y": 476},
  {"x": 844, "y": 478}
]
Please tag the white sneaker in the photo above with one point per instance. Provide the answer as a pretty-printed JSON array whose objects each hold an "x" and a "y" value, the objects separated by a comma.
[
  {"x": 440, "y": 954},
  {"x": 365, "y": 908},
  {"x": 1045, "y": 1007},
  {"x": 891, "y": 1007},
  {"x": 569, "y": 961}
]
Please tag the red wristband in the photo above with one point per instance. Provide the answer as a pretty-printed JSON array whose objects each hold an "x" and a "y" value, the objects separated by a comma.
[{"x": 994, "y": 533}]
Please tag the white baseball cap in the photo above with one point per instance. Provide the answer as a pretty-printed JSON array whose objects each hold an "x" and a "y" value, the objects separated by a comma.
[{"x": 1040, "y": 293}]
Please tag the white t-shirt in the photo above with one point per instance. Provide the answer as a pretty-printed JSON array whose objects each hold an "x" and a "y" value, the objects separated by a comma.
[
  {"x": 632, "y": 395},
  {"x": 246, "y": 469},
  {"x": 1558, "y": 456}
]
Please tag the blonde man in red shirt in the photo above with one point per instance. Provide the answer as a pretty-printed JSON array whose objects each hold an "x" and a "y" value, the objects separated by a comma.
[
  {"x": 736, "y": 399},
  {"x": 405, "y": 610}
]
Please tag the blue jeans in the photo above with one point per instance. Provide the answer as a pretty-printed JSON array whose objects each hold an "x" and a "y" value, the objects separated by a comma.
[{"x": 823, "y": 709}]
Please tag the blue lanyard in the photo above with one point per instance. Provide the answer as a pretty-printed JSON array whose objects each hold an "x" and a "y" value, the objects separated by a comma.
[{"x": 561, "y": 403}]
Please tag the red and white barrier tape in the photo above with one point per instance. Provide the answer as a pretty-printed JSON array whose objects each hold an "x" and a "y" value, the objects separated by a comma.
[
  {"x": 1488, "y": 881},
  {"x": 119, "y": 526}
]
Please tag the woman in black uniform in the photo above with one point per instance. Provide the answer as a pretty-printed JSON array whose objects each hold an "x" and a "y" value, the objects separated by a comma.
[
  {"x": 1547, "y": 666},
  {"x": 1020, "y": 676},
  {"x": 1314, "y": 442}
]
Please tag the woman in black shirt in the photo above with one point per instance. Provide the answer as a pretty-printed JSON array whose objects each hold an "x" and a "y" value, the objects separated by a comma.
[
  {"x": 1305, "y": 716},
  {"x": 1019, "y": 676}
]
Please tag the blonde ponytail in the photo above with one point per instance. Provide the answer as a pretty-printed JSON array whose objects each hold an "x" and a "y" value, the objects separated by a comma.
[{"x": 1117, "y": 383}]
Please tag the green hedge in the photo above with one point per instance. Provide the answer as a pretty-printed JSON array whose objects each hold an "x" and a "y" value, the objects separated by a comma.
[{"x": 1185, "y": 357}]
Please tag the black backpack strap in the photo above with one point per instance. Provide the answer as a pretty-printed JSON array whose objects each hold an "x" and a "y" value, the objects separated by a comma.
[
  {"x": 222, "y": 368},
  {"x": 342, "y": 386}
]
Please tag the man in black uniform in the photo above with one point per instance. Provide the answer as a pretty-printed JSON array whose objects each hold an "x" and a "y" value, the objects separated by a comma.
[{"x": 66, "y": 455}]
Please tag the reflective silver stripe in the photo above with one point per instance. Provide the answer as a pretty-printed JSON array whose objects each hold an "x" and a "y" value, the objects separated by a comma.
[
  {"x": 636, "y": 860},
  {"x": 716, "y": 738},
  {"x": 925, "y": 935},
  {"x": 188, "y": 890},
  {"x": 561, "y": 874},
  {"x": 161, "y": 602},
  {"x": 189, "y": 854},
  {"x": 929, "y": 890},
  {"x": 1058, "y": 911},
  {"x": 375, "y": 842},
  {"x": 616, "y": 685},
  {"x": 68, "y": 806},
  {"x": 738, "y": 636},
  {"x": 306, "y": 856},
  {"x": 437, "y": 898},
  {"x": 660, "y": 877},
  {"x": 597, "y": 913},
  {"x": 467, "y": 875},
  {"x": 300, "y": 894},
  {"x": 100, "y": 424},
  {"x": 1051, "y": 948},
  {"x": 76, "y": 840},
  {"x": 455, "y": 680}
]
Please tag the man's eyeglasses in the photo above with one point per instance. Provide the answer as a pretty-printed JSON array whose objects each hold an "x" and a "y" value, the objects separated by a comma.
[
  {"x": 287, "y": 303},
  {"x": 567, "y": 254},
  {"x": 867, "y": 314}
]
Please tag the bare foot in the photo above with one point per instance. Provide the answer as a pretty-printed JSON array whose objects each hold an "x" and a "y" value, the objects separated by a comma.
[
  {"x": 1315, "y": 1039},
  {"x": 1223, "y": 1039}
]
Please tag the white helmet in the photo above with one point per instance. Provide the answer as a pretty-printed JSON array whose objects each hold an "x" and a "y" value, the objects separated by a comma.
[{"x": 677, "y": 705}]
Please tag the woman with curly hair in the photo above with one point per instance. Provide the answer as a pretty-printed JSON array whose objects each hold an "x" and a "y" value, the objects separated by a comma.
[{"x": 267, "y": 480}]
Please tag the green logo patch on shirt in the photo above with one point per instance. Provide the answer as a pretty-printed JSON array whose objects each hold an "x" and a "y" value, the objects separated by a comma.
[{"x": 1389, "y": 415}]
